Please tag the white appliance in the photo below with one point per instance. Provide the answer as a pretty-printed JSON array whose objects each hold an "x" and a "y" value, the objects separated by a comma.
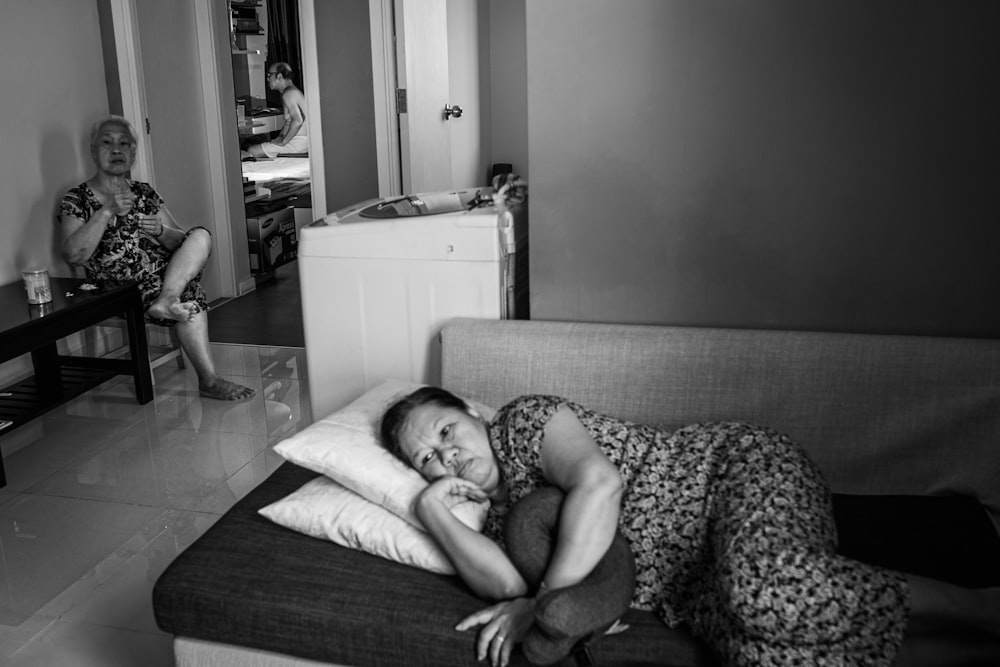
[{"x": 380, "y": 278}]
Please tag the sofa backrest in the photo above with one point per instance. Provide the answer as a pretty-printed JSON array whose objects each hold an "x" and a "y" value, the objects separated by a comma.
[{"x": 879, "y": 414}]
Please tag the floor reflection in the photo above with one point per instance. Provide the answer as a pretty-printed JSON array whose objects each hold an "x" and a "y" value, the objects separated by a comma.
[{"x": 103, "y": 493}]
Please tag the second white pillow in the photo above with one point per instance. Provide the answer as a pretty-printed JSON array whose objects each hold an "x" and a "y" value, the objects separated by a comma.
[{"x": 325, "y": 510}]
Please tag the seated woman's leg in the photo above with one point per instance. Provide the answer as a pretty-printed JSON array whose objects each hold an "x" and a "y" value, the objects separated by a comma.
[
  {"x": 564, "y": 616},
  {"x": 193, "y": 336},
  {"x": 181, "y": 299},
  {"x": 186, "y": 262}
]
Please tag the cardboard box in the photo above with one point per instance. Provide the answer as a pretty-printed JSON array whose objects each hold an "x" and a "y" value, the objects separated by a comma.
[{"x": 272, "y": 240}]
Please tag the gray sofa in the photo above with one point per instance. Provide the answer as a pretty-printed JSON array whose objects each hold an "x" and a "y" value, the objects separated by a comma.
[{"x": 906, "y": 430}]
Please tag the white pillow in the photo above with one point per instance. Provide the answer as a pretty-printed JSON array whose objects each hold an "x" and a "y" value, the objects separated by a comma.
[
  {"x": 345, "y": 447},
  {"x": 326, "y": 510}
]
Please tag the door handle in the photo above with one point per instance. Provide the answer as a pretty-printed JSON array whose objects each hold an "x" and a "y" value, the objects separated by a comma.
[{"x": 452, "y": 111}]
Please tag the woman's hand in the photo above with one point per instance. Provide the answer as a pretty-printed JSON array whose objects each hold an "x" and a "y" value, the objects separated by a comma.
[
  {"x": 151, "y": 226},
  {"x": 477, "y": 559},
  {"x": 121, "y": 202},
  {"x": 504, "y": 625},
  {"x": 450, "y": 491}
]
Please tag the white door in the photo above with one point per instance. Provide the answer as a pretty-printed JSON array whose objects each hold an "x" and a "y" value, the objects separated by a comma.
[
  {"x": 437, "y": 64},
  {"x": 168, "y": 43},
  {"x": 468, "y": 159}
]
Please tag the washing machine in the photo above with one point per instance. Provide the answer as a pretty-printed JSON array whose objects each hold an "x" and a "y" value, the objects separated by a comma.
[{"x": 381, "y": 277}]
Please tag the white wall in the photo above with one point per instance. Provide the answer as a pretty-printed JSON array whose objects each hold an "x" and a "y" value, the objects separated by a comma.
[{"x": 53, "y": 83}]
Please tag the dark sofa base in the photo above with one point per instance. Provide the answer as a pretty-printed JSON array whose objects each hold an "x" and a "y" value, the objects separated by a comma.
[
  {"x": 252, "y": 583},
  {"x": 249, "y": 582}
]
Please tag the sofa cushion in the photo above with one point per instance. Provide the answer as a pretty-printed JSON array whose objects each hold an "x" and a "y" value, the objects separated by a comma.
[{"x": 879, "y": 414}]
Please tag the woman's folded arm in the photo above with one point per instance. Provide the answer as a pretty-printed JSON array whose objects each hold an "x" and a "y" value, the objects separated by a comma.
[{"x": 477, "y": 559}]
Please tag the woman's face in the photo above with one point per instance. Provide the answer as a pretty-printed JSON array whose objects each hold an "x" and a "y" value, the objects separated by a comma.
[
  {"x": 439, "y": 441},
  {"x": 113, "y": 149}
]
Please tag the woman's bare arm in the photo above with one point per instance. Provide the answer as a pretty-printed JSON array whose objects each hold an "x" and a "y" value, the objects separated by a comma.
[
  {"x": 572, "y": 460},
  {"x": 80, "y": 237},
  {"x": 477, "y": 559},
  {"x": 172, "y": 235}
]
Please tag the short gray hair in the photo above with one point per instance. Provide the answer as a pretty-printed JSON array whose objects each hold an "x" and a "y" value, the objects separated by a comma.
[{"x": 113, "y": 118}]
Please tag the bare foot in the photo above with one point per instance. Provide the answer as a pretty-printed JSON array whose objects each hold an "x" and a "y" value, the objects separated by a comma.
[
  {"x": 172, "y": 308},
  {"x": 224, "y": 390}
]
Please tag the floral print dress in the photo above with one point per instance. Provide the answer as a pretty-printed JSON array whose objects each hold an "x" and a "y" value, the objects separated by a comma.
[
  {"x": 124, "y": 253},
  {"x": 732, "y": 530}
]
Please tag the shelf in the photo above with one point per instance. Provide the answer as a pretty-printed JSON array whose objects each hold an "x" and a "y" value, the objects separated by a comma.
[
  {"x": 246, "y": 52},
  {"x": 23, "y": 401}
]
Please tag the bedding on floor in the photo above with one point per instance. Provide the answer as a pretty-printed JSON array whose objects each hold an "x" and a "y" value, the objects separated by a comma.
[{"x": 279, "y": 167}]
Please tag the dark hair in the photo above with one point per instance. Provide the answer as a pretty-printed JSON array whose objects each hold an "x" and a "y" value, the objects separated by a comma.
[
  {"x": 396, "y": 415},
  {"x": 285, "y": 70}
]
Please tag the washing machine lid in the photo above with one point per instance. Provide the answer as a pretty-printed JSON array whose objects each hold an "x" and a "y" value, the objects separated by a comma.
[
  {"x": 448, "y": 235},
  {"x": 428, "y": 203}
]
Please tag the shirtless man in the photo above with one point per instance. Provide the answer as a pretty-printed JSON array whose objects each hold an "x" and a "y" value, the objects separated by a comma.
[{"x": 294, "y": 134}]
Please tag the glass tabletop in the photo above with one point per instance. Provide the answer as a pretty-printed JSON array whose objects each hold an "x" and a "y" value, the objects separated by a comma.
[{"x": 67, "y": 295}]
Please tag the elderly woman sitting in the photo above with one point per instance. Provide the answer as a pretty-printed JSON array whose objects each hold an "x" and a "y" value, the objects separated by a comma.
[{"x": 119, "y": 230}]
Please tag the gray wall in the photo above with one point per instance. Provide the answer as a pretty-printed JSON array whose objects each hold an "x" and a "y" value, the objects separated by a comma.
[
  {"x": 765, "y": 164},
  {"x": 346, "y": 101},
  {"x": 54, "y": 89},
  {"x": 508, "y": 84}
]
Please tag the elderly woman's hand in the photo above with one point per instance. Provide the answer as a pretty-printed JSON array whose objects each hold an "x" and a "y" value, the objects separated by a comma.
[
  {"x": 150, "y": 225},
  {"x": 504, "y": 625},
  {"x": 122, "y": 202}
]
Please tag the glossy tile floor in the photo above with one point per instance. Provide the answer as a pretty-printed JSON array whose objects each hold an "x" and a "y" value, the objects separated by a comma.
[{"x": 102, "y": 494}]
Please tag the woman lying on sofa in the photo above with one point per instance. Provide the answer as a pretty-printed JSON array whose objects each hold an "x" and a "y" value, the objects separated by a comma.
[{"x": 730, "y": 526}]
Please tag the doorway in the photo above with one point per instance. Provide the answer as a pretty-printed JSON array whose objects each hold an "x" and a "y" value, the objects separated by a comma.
[{"x": 265, "y": 41}]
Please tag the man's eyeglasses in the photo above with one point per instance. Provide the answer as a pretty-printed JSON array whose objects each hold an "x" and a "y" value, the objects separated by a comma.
[{"x": 270, "y": 74}]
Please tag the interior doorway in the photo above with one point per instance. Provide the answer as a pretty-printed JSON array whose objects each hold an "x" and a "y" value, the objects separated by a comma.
[
  {"x": 208, "y": 54},
  {"x": 264, "y": 37}
]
